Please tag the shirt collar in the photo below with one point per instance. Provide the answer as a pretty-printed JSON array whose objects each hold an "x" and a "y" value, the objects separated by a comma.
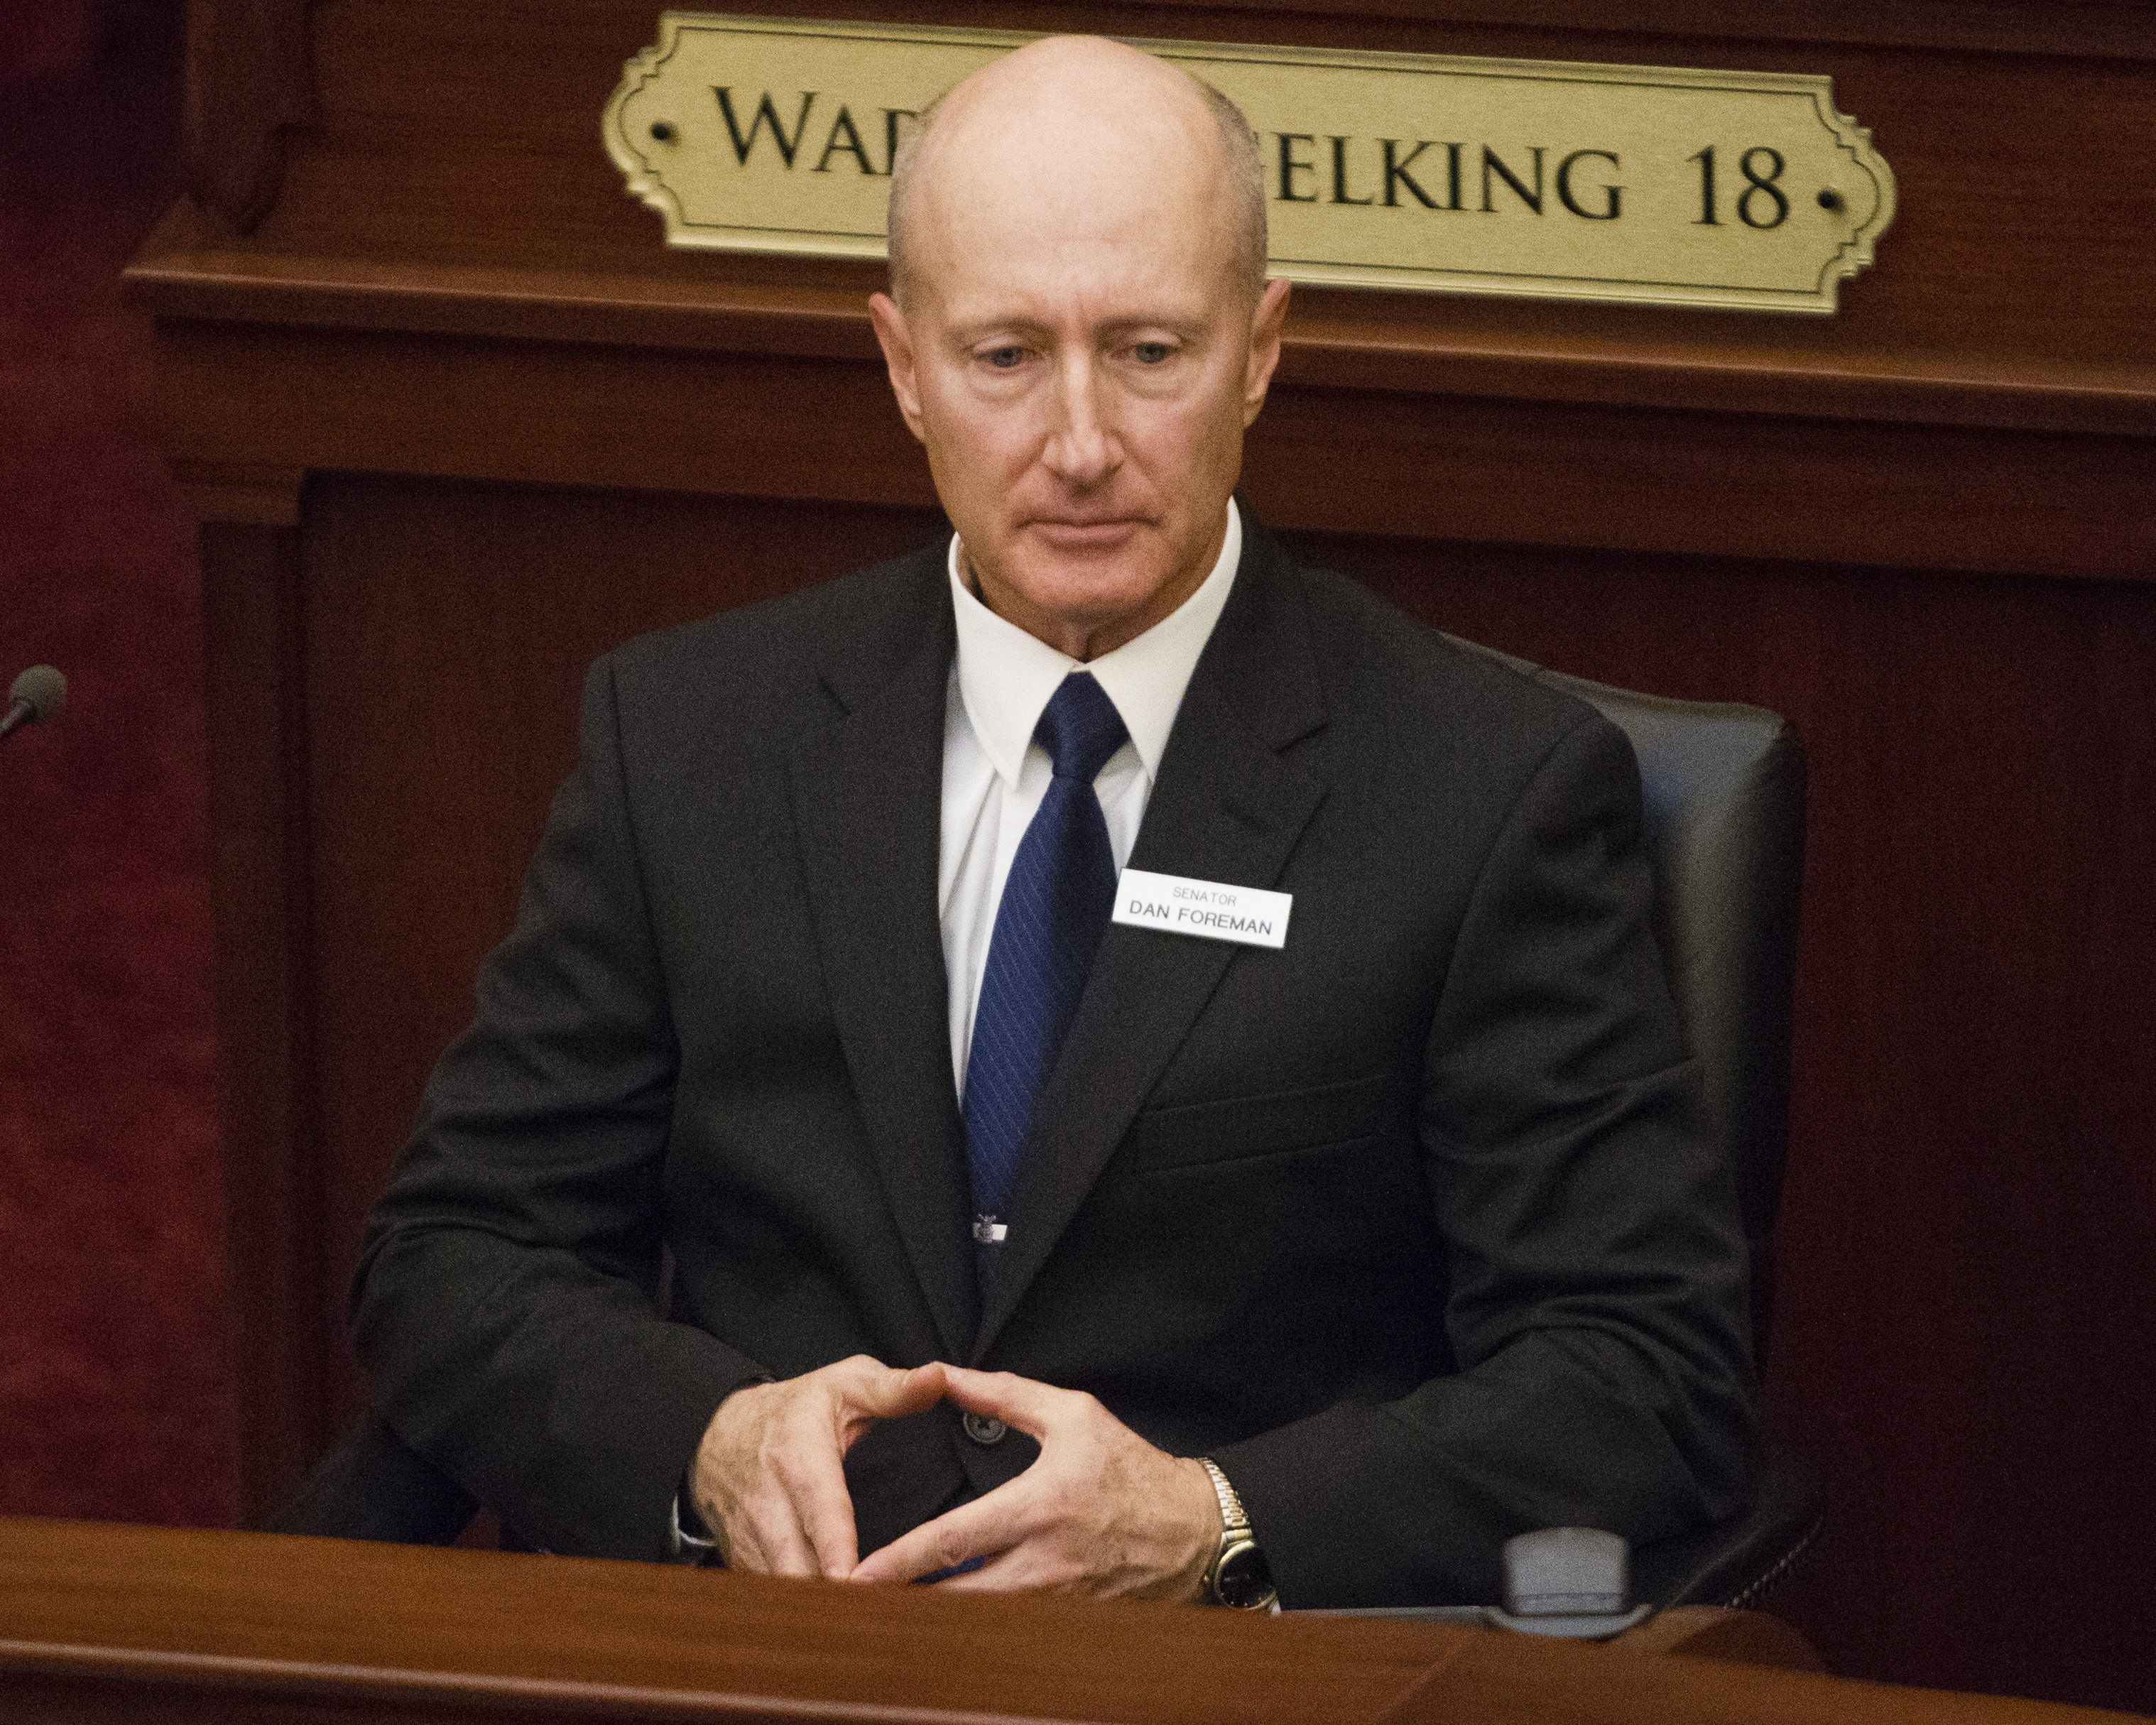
[{"x": 1007, "y": 676}]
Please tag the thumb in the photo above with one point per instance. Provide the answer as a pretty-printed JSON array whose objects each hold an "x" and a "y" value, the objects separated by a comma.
[{"x": 891, "y": 1393}]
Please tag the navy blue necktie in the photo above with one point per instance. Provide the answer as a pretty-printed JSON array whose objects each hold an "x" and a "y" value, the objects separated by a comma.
[{"x": 1055, "y": 909}]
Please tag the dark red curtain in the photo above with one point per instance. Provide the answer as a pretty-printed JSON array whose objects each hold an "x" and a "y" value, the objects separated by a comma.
[{"x": 114, "y": 1396}]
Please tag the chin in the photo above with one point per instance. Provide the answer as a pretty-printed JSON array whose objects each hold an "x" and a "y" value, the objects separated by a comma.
[{"x": 1090, "y": 598}]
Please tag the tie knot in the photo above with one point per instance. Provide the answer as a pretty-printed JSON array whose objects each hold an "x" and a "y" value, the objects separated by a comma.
[{"x": 1079, "y": 728}]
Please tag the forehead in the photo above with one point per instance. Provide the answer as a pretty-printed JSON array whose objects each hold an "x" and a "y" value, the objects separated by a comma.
[{"x": 1120, "y": 204}]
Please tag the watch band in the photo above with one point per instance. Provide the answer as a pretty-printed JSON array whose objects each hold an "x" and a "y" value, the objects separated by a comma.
[
  {"x": 1239, "y": 1577},
  {"x": 1234, "y": 1517}
]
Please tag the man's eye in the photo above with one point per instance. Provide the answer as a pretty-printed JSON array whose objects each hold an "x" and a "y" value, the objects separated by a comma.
[
  {"x": 1003, "y": 358},
  {"x": 1151, "y": 353}
]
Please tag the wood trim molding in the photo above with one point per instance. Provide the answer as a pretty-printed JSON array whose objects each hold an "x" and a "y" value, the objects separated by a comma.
[
  {"x": 107, "y": 1621},
  {"x": 248, "y": 80},
  {"x": 2103, "y": 29},
  {"x": 244, "y": 496},
  {"x": 265, "y": 991},
  {"x": 183, "y": 274}
]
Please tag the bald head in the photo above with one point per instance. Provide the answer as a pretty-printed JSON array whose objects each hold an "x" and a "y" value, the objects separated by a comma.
[
  {"x": 1081, "y": 127},
  {"x": 1083, "y": 333}
]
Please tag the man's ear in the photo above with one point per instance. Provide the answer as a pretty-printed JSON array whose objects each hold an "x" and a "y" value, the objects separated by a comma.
[
  {"x": 897, "y": 342},
  {"x": 1266, "y": 322}
]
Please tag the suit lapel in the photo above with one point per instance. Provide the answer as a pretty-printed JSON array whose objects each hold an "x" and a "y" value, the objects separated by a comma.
[
  {"x": 868, "y": 797},
  {"x": 1226, "y": 807}
]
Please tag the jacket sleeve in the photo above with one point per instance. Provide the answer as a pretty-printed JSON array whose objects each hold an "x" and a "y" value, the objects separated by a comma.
[
  {"x": 1596, "y": 1303},
  {"x": 505, "y": 1298}
]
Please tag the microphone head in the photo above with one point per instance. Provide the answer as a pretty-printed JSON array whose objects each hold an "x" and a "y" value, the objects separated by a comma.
[{"x": 43, "y": 690}]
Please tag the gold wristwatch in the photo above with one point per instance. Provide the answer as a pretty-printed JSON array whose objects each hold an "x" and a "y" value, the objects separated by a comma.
[{"x": 1239, "y": 1577}]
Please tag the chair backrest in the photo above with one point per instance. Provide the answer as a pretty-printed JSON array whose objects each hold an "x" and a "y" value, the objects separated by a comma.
[{"x": 1724, "y": 789}]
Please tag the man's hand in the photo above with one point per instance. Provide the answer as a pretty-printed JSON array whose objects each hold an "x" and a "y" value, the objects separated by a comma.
[
  {"x": 1100, "y": 1511},
  {"x": 769, "y": 1478}
]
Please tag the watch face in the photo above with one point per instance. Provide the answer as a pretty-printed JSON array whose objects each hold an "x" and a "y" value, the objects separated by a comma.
[{"x": 1245, "y": 1579}]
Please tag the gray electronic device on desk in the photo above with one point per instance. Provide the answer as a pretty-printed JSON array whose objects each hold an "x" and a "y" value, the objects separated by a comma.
[{"x": 1567, "y": 1582}]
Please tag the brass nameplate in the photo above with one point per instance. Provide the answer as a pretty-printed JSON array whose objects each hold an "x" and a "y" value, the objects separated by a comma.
[{"x": 1632, "y": 183}]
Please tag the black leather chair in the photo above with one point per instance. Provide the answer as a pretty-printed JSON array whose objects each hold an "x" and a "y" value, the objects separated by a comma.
[
  {"x": 1725, "y": 819},
  {"x": 1724, "y": 789}
]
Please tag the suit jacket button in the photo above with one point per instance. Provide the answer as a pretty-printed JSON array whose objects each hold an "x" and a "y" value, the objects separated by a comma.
[{"x": 984, "y": 1429}]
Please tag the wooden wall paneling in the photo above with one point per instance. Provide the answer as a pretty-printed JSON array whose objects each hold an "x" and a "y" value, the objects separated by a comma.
[
  {"x": 452, "y": 188},
  {"x": 1425, "y": 465},
  {"x": 2027, "y": 178},
  {"x": 2081, "y": 27},
  {"x": 248, "y": 82},
  {"x": 1962, "y": 1336},
  {"x": 1706, "y": 484},
  {"x": 1923, "y": 526},
  {"x": 274, "y": 1263},
  {"x": 637, "y": 418}
]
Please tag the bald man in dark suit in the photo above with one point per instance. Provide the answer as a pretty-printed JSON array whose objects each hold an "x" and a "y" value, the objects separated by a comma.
[{"x": 1328, "y": 1264}]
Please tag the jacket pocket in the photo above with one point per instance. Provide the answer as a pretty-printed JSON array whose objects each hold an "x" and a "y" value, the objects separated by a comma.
[{"x": 1237, "y": 1128}]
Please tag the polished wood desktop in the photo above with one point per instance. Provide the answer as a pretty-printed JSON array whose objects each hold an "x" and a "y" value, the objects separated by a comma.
[{"x": 117, "y": 1623}]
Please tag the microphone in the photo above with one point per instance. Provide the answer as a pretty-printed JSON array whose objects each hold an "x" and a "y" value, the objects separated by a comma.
[{"x": 39, "y": 693}]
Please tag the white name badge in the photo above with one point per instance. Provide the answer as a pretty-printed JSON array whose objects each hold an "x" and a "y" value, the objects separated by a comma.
[{"x": 1208, "y": 909}]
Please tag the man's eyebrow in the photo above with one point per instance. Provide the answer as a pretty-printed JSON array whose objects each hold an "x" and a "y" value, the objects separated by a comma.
[
  {"x": 981, "y": 329},
  {"x": 1192, "y": 325},
  {"x": 1023, "y": 328}
]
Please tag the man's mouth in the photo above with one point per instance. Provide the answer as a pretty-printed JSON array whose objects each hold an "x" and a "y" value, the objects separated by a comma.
[{"x": 1081, "y": 534}]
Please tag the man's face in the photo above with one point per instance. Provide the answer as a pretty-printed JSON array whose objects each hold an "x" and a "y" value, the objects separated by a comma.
[{"x": 1079, "y": 359}]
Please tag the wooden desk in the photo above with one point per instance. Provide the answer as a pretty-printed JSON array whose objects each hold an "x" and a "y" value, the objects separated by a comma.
[{"x": 100, "y": 1622}]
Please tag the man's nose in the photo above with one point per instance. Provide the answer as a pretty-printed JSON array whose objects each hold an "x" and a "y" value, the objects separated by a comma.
[{"x": 1081, "y": 449}]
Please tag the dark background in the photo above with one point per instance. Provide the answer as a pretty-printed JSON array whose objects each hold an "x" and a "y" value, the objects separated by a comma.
[{"x": 114, "y": 1399}]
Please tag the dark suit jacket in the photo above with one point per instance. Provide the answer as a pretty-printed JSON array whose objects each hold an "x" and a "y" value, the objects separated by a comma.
[{"x": 1412, "y": 1226}]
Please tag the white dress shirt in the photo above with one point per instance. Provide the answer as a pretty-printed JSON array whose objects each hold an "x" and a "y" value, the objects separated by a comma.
[{"x": 994, "y": 775}]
